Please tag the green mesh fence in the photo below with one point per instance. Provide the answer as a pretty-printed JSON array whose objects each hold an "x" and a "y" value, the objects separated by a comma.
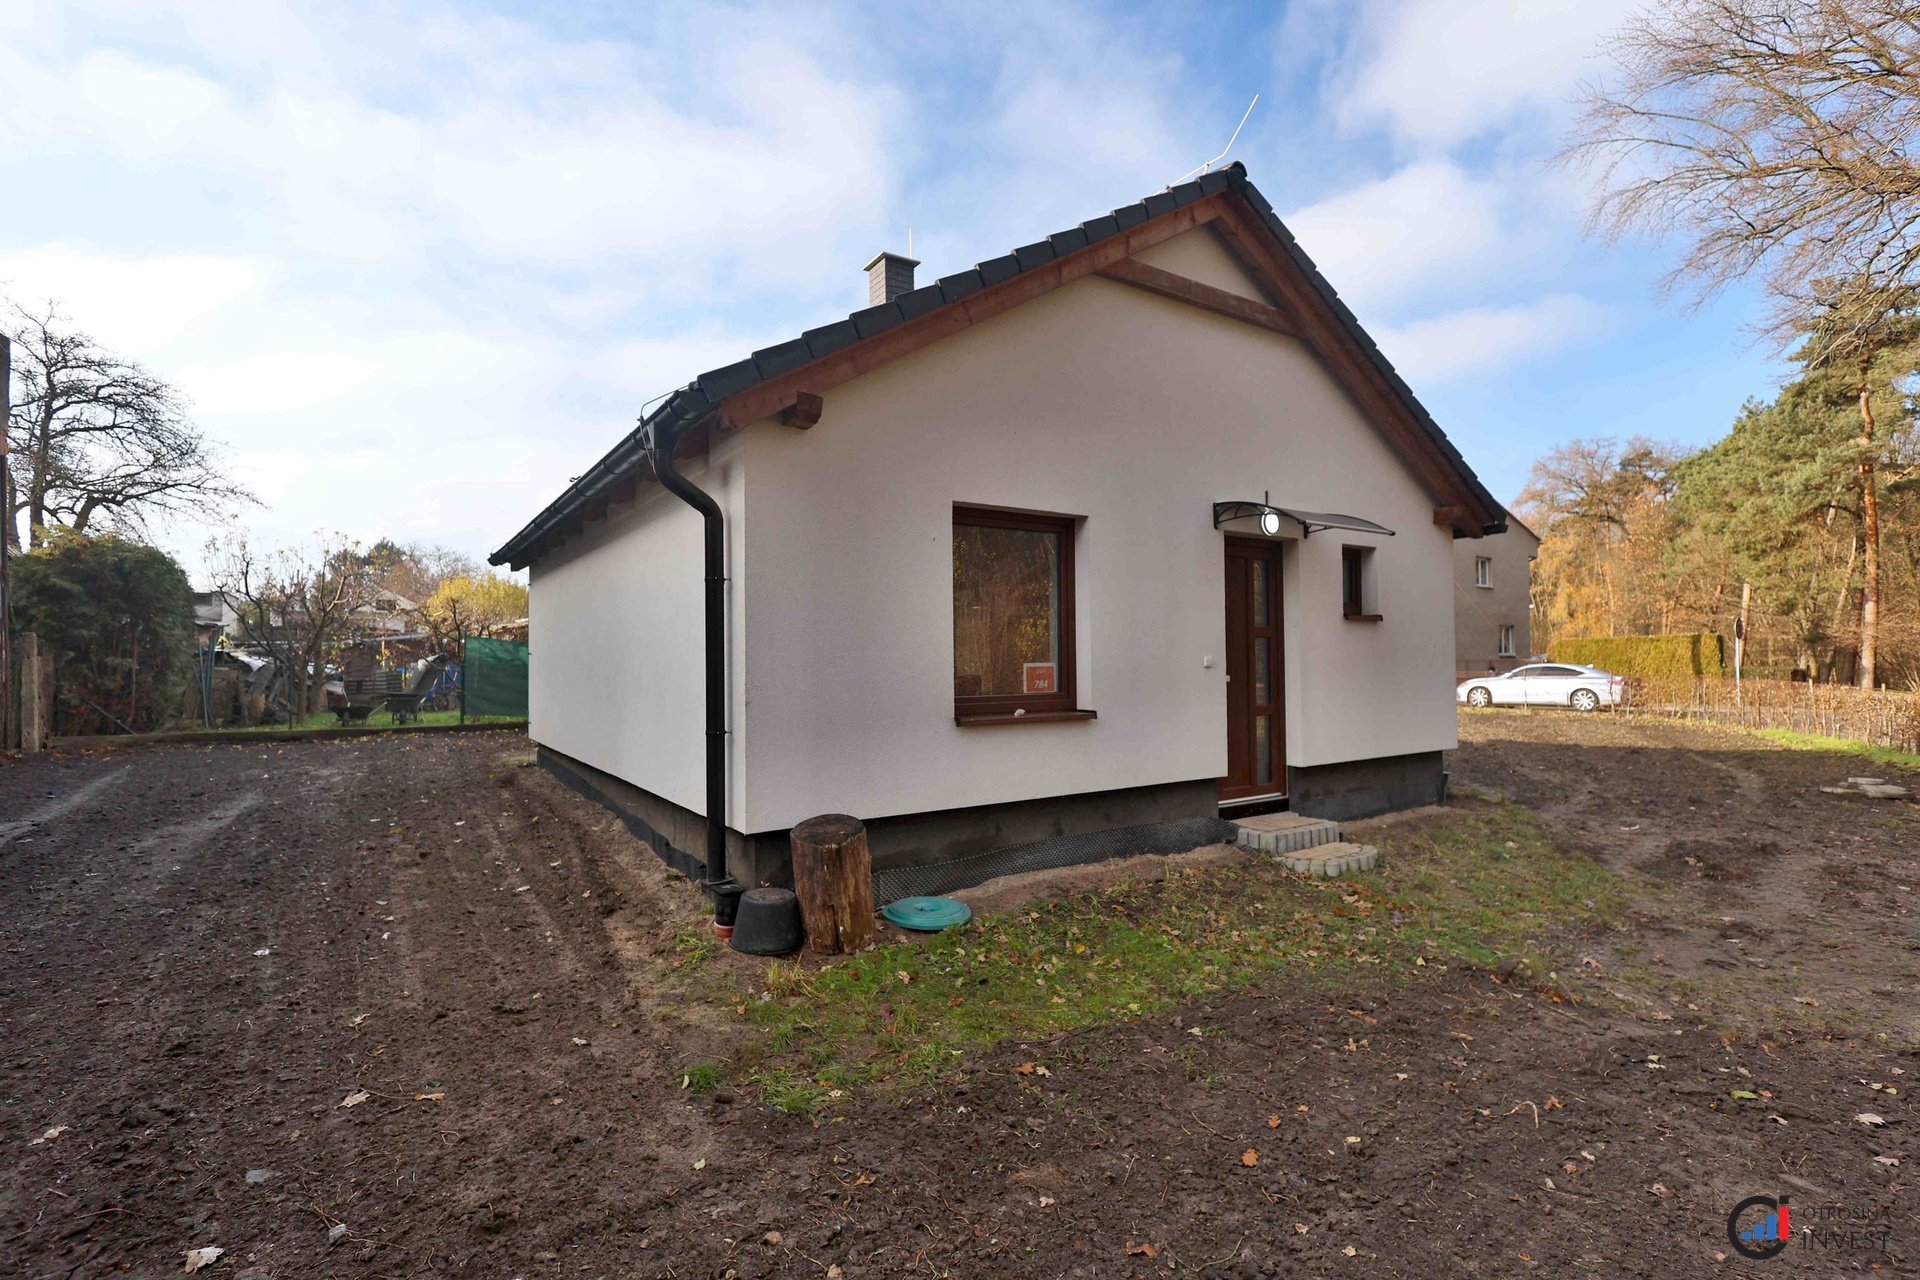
[{"x": 495, "y": 678}]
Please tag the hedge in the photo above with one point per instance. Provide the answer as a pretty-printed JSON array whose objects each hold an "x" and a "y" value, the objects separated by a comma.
[{"x": 1688, "y": 655}]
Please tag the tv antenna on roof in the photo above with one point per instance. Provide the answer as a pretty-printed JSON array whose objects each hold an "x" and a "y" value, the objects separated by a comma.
[{"x": 1230, "y": 141}]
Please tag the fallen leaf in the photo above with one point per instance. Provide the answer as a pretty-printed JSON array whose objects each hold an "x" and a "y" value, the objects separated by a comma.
[
  {"x": 578, "y": 1040},
  {"x": 1195, "y": 1031},
  {"x": 1867, "y": 1117},
  {"x": 428, "y": 1097},
  {"x": 1553, "y": 1104},
  {"x": 1401, "y": 1075},
  {"x": 198, "y": 1258},
  {"x": 1743, "y": 1093},
  {"x": 1249, "y": 1157},
  {"x": 1300, "y": 1228},
  {"x": 903, "y": 975},
  {"x": 1143, "y": 1249},
  {"x": 772, "y": 1237},
  {"x": 48, "y": 1136},
  {"x": 834, "y": 1272},
  {"x": 1350, "y": 1251},
  {"x": 1026, "y": 1068},
  {"x": 1569, "y": 1167},
  {"x": 1045, "y": 1201},
  {"x": 357, "y": 1019},
  {"x": 1273, "y": 1121},
  {"x": 1353, "y": 1142},
  {"x": 354, "y": 1099},
  {"x": 1887, "y": 1160},
  {"x": 701, "y": 1163},
  {"x": 1658, "y": 1189}
]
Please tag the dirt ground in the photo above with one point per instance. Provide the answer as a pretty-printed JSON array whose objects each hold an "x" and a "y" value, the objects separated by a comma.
[{"x": 405, "y": 1007}]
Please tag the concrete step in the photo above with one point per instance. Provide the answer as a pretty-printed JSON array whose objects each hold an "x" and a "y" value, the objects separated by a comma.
[
  {"x": 1337, "y": 859},
  {"x": 1284, "y": 833}
]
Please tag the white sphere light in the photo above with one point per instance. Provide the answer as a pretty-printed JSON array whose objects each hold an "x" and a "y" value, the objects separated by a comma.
[{"x": 1269, "y": 522}]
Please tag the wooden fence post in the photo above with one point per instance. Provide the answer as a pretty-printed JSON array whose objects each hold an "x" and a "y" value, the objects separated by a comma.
[{"x": 833, "y": 878}]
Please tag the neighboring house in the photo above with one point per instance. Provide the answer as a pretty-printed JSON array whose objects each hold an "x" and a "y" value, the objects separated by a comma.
[
  {"x": 1130, "y": 527},
  {"x": 1493, "y": 600}
]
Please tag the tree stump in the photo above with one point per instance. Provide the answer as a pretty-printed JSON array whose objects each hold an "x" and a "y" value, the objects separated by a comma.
[{"x": 833, "y": 878}]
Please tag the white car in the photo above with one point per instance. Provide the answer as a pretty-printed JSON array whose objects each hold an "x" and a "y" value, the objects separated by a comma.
[{"x": 1546, "y": 684}]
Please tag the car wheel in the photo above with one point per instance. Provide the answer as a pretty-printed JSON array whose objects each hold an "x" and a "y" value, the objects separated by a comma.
[
  {"x": 1478, "y": 697},
  {"x": 1585, "y": 700}
]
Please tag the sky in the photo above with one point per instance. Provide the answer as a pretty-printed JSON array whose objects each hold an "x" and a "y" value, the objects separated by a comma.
[{"x": 416, "y": 266}]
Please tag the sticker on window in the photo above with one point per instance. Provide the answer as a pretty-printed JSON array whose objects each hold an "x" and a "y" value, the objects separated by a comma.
[{"x": 1040, "y": 677}]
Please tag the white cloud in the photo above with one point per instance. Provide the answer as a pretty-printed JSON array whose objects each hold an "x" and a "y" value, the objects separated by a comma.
[
  {"x": 274, "y": 384},
  {"x": 1441, "y": 72},
  {"x": 1477, "y": 340},
  {"x": 136, "y": 304},
  {"x": 1424, "y": 227}
]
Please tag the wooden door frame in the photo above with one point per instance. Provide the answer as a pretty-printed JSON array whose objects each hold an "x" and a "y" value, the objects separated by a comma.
[{"x": 1239, "y": 727}]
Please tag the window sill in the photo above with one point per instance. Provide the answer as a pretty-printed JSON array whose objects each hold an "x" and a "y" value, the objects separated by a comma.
[
  {"x": 967, "y": 719},
  {"x": 1363, "y": 617}
]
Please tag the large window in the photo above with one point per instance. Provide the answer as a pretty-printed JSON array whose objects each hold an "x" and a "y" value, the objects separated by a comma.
[{"x": 1012, "y": 614}]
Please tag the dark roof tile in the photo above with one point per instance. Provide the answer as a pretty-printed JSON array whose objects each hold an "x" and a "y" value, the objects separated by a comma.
[
  {"x": 875, "y": 319},
  {"x": 776, "y": 360},
  {"x": 1158, "y": 203},
  {"x": 1065, "y": 242},
  {"x": 922, "y": 300},
  {"x": 721, "y": 383},
  {"x": 1100, "y": 228},
  {"x": 1130, "y": 216},
  {"x": 994, "y": 270},
  {"x": 961, "y": 285},
  {"x": 1034, "y": 255},
  {"x": 829, "y": 338}
]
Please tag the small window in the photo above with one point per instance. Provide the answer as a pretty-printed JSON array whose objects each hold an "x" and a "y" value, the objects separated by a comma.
[
  {"x": 1506, "y": 638},
  {"x": 1012, "y": 613},
  {"x": 1357, "y": 599},
  {"x": 1483, "y": 573}
]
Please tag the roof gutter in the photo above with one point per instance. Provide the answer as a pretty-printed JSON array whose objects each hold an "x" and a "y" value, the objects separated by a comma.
[{"x": 661, "y": 439}]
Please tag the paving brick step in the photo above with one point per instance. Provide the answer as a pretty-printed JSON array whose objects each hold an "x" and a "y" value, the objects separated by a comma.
[
  {"x": 1284, "y": 833},
  {"x": 1337, "y": 859}
]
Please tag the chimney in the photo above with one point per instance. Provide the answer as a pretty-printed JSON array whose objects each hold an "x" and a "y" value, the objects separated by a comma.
[{"x": 888, "y": 276}]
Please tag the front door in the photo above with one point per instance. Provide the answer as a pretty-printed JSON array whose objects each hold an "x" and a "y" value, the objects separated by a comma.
[{"x": 1256, "y": 728}]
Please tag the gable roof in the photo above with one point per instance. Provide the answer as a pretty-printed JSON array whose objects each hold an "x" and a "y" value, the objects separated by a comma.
[{"x": 768, "y": 381}]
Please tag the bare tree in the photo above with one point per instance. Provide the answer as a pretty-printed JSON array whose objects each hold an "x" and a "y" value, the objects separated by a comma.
[
  {"x": 1777, "y": 134},
  {"x": 98, "y": 438},
  {"x": 295, "y": 604}
]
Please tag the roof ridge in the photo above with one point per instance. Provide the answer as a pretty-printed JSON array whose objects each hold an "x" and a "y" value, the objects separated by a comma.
[{"x": 687, "y": 405}]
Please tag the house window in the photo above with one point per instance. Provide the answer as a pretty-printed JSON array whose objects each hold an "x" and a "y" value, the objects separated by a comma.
[
  {"x": 1012, "y": 613},
  {"x": 1482, "y": 572},
  {"x": 1506, "y": 641},
  {"x": 1358, "y": 602}
]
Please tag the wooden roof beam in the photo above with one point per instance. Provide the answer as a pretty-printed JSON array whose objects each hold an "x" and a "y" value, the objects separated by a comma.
[{"x": 1207, "y": 297}]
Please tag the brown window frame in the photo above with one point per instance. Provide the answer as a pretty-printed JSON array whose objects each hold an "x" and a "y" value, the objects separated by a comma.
[
  {"x": 1355, "y": 565},
  {"x": 1018, "y": 709}
]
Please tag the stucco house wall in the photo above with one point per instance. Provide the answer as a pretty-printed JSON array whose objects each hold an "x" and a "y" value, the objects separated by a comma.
[
  {"x": 1130, "y": 412},
  {"x": 1479, "y": 612}
]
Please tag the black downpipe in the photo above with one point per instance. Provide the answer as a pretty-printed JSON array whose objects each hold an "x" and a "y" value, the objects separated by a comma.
[{"x": 662, "y": 441}]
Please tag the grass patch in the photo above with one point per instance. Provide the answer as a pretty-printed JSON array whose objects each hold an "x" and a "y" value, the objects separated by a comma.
[
  {"x": 694, "y": 945},
  {"x": 1478, "y": 887},
  {"x": 1815, "y": 742},
  {"x": 702, "y": 1077}
]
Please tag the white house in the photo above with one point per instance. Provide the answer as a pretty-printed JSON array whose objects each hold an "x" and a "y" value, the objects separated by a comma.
[{"x": 1127, "y": 529}]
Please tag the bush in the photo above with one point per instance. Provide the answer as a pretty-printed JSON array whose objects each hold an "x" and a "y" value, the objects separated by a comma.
[
  {"x": 1688, "y": 655},
  {"x": 119, "y": 618}
]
